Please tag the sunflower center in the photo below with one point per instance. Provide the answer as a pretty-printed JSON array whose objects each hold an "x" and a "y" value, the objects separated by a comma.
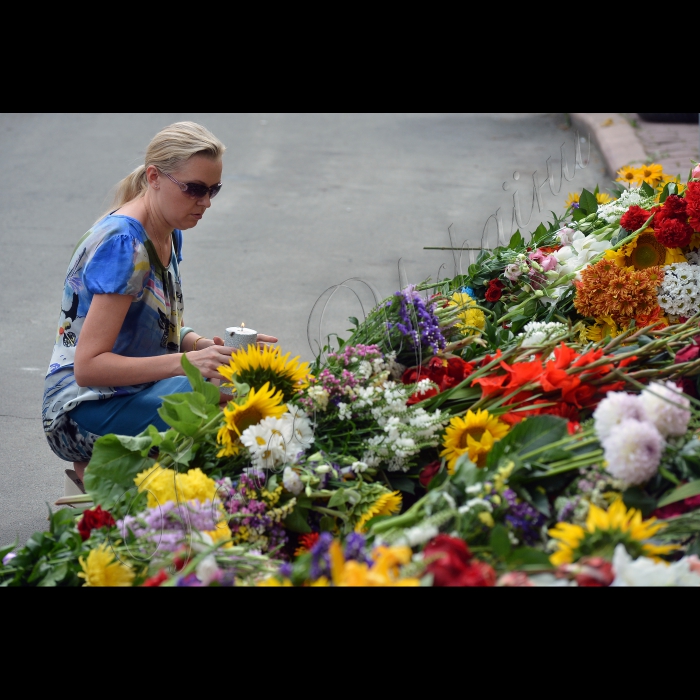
[
  {"x": 476, "y": 433},
  {"x": 648, "y": 253},
  {"x": 629, "y": 176}
]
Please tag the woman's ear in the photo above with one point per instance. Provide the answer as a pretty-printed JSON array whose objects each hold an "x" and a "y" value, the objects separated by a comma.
[{"x": 153, "y": 177}]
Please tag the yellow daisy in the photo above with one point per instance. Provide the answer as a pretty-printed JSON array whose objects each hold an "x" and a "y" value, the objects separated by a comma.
[
  {"x": 237, "y": 417},
  {"x": 573, "y": 198},
  {"x": 630, "y": 175},
  {"x": 474, "y": 434},
  {"x": 103, "y": 569},
  {"x": 651, "y": 174},
  {"x": 256, "y": 366},
  {"x": 603, "y": 198},
  {"x": 606, "y": 529},
  {"x": 388, "y": 503}
]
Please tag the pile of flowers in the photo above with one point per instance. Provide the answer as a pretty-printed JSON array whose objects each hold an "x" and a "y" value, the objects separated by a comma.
[{"x": 533, "y": 422}]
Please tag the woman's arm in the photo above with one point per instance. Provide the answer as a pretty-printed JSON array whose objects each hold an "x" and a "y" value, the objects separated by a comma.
[{"x": 97, "y": 365}]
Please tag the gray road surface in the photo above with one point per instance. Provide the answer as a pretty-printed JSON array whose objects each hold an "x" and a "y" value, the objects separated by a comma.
[{"x": 308, "y": 201}]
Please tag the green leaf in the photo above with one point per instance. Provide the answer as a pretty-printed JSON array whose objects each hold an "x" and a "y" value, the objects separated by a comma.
[
  {"x": 578, "y": 214},
  {"x": 692, "y": 488},
  {"x": 499, "y": 541},
  {"x": 327, "y": 524},
  {"x": 588, "y": 202},
  {"x": 116, "y": 460},
  {"x": 338, "y": 498},
  {"x": 439, "y": 479},
  {"x": 528, "y": 557},
  {"x": 199, "y": 385},
  {"x": 296, "y": 520},
  {"x": 527, "y": 436},
  {"x": 647, "y": 189},
  {"x": 353, "y": 320},
  {"x": 187, "y": 412},
  {"x": 402, "y": 483},
  {"x": 634, "y": 497},
  {"x": 516, "y": 241},
  {"x": 664, "y": 193}
]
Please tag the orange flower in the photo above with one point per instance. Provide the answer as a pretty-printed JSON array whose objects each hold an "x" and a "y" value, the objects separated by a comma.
[
  {"x": 522, "y": 373},
  {"x": 306, "y": 542}
]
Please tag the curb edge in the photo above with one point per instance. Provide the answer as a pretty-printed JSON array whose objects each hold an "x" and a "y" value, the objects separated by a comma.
[{"x": 618, "y": 143}]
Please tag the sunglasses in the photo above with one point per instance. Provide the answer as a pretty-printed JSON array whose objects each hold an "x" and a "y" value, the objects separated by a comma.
[{"x": 194, "y": 190}]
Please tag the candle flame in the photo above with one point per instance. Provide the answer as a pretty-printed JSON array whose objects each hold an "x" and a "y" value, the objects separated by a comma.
[{"x": 242, "y": 324}]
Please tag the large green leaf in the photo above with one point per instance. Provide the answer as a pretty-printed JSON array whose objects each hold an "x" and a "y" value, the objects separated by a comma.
[
  {"x": 187, "y": 412},
  {"x": 588, "y": 202},
  {"x": 116, "y": 460},
  {"x": 646, "y": 189},
  {"x": 692, "y": 488},
  {"x": 199, "y": 385},
  {"x": 529, "y": 435}
]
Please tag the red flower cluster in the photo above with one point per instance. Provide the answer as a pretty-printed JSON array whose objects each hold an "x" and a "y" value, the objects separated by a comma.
[
  {"x": 688, "y": 354},
  {"x": 692, "y": 204},
  {"x": 445, "y": 373},
  {"x": 571, "y": 391},
  {"x": 634, "y": 218},
  {"x": 454, "y": 565},
  {"x": 93, "y": 520},
  {"x": 671, "y": 223},
  {"x": 494, "y": 290}
]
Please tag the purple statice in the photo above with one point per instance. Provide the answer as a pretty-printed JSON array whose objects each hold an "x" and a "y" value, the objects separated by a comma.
[
  {"x": 286, "y": 570},
  {"x": 320, "y": 559},
  {"x": 355, "y": 548},
  {"x": 253, "y": 522},
  {"x": 523, "y": 518},
  {"x": 567, "y": 510},
  {"x": 418, "y": 322}
]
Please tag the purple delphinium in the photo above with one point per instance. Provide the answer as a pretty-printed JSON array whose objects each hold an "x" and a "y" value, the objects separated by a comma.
[
  {"x": 320, "y": 559},
  {"x": 286, "y": 570},
  {"x": 523, "y": 517},
  {"x": 418, "y": 324},
  {"x": 355, "y": 548}
]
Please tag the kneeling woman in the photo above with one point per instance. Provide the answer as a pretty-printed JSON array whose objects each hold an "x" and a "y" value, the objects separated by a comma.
[{"x": 121, "y": 332}]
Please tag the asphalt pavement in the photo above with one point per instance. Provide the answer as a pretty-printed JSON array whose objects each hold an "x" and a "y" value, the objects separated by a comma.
[{"x": 308, "y": 201}]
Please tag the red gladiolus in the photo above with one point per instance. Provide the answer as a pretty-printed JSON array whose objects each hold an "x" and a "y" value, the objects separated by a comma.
[
  {"x": 494, "y": 290},
  {"x": 522, "y": 373},
  {"x": 94, "y": 519},
  {"x": 634, "y": 218},
  {"x": 491, "y": 385},
  {"x": 445, "y": 373},
  {"x": 678, "y": 508}
]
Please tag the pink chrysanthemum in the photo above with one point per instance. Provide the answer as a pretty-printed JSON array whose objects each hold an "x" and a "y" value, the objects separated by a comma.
[{"x": 615, "y": 408}]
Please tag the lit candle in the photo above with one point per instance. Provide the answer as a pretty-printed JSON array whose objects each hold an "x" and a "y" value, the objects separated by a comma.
[{"x": 240, "y": 337}]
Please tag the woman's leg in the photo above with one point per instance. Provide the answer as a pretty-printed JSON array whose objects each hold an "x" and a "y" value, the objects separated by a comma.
[{"x": 79, "y": 469}]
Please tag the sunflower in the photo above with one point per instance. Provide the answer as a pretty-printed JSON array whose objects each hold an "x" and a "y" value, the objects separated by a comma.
[
  {"x": 606, "y": 529},
  {"x": 255, "y": 366},
  {"x": 652, "y": 174},
  {"x": 643, "y": 252},
  {"x": 237, "y": 417},
  {"x": 474, "y": 434},
  {"x": 630, "y": 175},
  {"x": 103, "y": 569},
  {"x": 470, "y": 319},
  {"x": 387, "y": 503}
]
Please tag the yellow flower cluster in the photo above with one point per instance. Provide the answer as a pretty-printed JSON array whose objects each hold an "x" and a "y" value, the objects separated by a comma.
[
  {"x": 653, "y": 174},
  {"x": 470, "y": 319},
  {"x": 574, "y": 197},
  {"x": 164, "y": 485}
]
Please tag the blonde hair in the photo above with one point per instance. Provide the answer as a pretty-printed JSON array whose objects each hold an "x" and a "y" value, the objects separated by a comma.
[{"x": 168, "y": 149}]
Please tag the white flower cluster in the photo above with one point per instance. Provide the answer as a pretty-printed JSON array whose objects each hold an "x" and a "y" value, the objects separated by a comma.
[
  {"x": 535, "y": 333},
  {"x": 679, "y": 293},
  {"x": 614, "y": 211},
  {"x": 406, "y": 429},
  {"x": 632, "y": 429},
  {"x": 277, "y": 441}
]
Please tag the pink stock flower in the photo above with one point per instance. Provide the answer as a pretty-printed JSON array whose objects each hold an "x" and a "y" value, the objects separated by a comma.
[
  {"x": 696, "y": 172},
  {"x": 512, "y": 272}
]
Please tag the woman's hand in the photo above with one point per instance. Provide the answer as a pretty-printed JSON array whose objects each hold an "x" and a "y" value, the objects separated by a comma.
[
  {"x": 264, "y": 340},
  {"x": 209, "y": 359}
]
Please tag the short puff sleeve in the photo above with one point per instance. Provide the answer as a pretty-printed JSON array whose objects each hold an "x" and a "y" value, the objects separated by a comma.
[{"x": 119, "y": 265}]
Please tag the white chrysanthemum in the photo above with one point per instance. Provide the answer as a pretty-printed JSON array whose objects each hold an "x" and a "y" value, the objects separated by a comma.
[
  {"x": 679, "y": 293},
  {"x": 644, "y": 571},
  {"x": 633, "y": 451},
  {"x": 666, "y": 407},
  {"x": 615, "y": 408},
  {"x": 302, "y": 432},
  {"x": 535, "y": 332},
  {"x": 291, "y": 481},
  {"x": 359, "y": 467}
]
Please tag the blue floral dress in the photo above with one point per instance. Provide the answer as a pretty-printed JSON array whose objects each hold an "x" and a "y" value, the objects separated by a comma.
[{"x": 114, "y": 257}]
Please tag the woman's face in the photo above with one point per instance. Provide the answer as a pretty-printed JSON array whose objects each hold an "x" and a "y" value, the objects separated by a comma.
[{"x": 178, "y": 208}]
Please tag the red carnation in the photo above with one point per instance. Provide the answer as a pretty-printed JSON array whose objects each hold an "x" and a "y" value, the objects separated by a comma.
[
  {"x": 494, "y": 291},
  {"x": 93, "y": 520},
  {"x": 675, "y": 206},
  {"x": 673, "y": 233},
  {"x": 692, "y": 202},
  {"x": 428, "y": 472},
  {"x": 156, "y": 580},
  {"x": 634, "y": 218}
]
